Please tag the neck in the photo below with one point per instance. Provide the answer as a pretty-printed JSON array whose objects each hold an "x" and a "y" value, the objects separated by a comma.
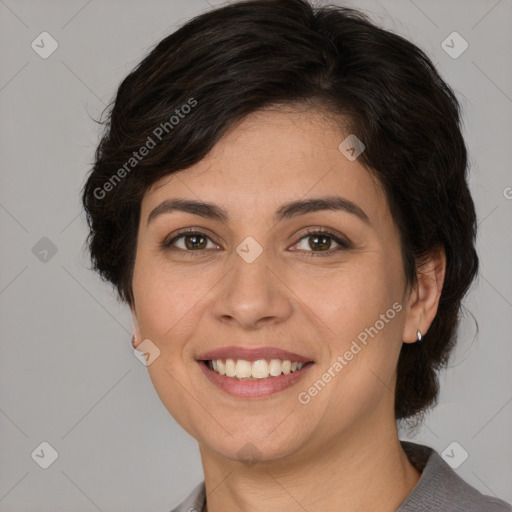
[{"x": 353, "y": 471}]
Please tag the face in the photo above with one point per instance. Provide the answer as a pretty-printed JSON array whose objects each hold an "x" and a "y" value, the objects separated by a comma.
[{"x": 256, "y": 279}]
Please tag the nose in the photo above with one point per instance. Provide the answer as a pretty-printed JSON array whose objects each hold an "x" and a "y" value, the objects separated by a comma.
[{"x": 253, "y": 294}]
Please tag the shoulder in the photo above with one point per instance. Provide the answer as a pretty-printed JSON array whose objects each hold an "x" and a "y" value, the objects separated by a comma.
[
  {"x": 195, "y": 501},
  {"x": 490, "y": 504},
  {"x": 440, "y": 488}
]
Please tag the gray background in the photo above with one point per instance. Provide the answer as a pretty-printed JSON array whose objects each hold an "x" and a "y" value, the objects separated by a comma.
[{"x": 68, "y": 374}]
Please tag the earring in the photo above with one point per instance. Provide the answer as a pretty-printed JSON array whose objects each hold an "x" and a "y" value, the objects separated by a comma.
[
  {"x": 418, "y": 335},
  {"x": 133, "y": 341}
]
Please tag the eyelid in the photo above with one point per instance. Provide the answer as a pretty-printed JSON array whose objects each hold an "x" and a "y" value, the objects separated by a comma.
[
  {"x": 335, "y": 235},
  {"x": 343, "y": 242},
  {"x": 168, "y": 241}
]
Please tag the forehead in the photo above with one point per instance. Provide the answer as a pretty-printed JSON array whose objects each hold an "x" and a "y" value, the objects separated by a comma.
[{"x": 272, "y": 157}]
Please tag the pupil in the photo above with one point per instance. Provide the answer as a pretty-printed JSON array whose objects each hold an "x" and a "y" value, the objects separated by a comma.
[
  {"x": 192, "y": 245},
  {"x": 317, "y": 237}
]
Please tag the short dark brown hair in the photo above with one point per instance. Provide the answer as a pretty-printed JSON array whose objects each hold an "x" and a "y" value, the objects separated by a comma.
[{"x": 251, "y": 55}]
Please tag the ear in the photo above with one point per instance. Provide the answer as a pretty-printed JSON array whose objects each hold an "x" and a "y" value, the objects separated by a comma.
[
  {"x": 137, "y": 337},
  {"x": 424, "y": 298}
]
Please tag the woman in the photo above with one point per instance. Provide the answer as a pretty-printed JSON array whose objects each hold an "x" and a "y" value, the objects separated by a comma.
[{"x": 281, "y": 199}]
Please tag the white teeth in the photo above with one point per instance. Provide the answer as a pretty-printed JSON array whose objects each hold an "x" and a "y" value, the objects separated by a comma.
[
  {"x": 275, "y": 367},
  {"x": 230, "y": 368},
  {"x": 243, "y": 369},
  {"x": 260, "y": 369},
  {"x": 221, "y": 367}
]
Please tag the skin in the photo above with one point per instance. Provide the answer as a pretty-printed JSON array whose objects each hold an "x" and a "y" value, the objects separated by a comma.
[{"x": 341, "y": 451}]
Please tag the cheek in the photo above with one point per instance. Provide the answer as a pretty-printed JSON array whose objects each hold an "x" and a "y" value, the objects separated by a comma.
[
  {"x": 167, "y": 298},
  {"x": 362, "y": 324},
  {"x": 357, "y": 307},
  {"x": 346, "y": 297}
]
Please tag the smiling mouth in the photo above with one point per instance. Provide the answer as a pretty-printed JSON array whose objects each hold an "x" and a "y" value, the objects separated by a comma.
[{"x": 240, "y": 369}]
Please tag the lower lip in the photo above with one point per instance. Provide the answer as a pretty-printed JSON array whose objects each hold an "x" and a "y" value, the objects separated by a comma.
[{"x": 253, "y": 388}]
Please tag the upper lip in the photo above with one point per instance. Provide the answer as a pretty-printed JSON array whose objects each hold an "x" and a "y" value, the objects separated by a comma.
[{"x": 252, "y": 354}]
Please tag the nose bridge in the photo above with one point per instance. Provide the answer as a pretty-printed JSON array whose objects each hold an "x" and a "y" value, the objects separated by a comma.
[
  {"x": 251, "y": 291},
  {"x": 249, "y": 281}
]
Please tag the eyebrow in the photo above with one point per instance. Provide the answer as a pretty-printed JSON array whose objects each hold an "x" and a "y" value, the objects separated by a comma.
[{"x": 285, "y": 211}]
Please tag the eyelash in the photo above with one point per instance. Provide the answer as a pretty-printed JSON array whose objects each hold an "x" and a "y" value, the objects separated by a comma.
[{"x": 344, "y": 244}]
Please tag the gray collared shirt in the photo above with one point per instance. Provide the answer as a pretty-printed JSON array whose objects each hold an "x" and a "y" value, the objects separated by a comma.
[{"x": 439, "y": 489}]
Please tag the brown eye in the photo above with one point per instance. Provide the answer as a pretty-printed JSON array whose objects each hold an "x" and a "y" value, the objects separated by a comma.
[
  {"x": 195, "y": 241},
  {"x": 189, "y": 241},
  {"x": 321, "y": 241}
]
